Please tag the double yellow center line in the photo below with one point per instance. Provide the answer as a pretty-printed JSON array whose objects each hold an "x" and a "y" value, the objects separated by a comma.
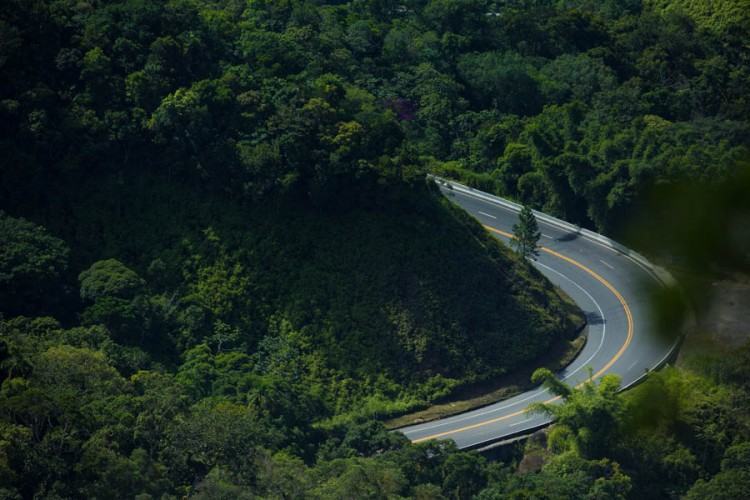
[{"x": 597, "y": 277}]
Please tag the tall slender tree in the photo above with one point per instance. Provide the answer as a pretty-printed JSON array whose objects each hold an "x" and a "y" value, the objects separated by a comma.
[{"x": 526, "y": 234}]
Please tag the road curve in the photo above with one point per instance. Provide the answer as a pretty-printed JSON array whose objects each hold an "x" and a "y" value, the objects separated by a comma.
[{"x": 605, "y": 282}]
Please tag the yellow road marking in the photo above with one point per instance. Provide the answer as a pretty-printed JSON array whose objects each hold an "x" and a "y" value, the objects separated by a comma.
[{"x": 608, "y": 285}]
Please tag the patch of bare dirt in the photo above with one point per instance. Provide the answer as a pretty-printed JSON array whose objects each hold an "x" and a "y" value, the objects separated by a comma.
[{"x": 727, "y": 320}]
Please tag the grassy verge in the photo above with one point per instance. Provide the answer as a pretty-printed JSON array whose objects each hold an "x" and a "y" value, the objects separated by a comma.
[{"x": 497, "y": 389}]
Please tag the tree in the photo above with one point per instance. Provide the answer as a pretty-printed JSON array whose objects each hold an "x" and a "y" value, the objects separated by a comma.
[
  {"x": 732, "y": 482},
  {"x": 282, "y": 476},
  {"x": 564, "y": 476},
  {"x": 31, "y": 263},
  {"x": 109, "y": 278},
  {"x": 502, "y": 81},
  {"x": 592, "y": 412},
  {"x": 526, "y": 234},
  {"x": 217, "y": 433},
  {"x": 358, "y": 478},
  {"x": 117, "y": 300},
  {"x": 463, "y": 475}
]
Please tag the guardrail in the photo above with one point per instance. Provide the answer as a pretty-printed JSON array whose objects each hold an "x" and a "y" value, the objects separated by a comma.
[{"x": 661, "y": 274}]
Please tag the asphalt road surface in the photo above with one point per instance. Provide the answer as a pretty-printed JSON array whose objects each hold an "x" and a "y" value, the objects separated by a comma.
[{"x": 607, "y": 285}]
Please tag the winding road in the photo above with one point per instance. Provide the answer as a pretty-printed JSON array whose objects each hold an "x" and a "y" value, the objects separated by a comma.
[{"x": 607, "y": 282}]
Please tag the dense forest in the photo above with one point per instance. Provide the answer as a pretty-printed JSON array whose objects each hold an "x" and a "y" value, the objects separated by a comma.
[{"x": 221, "y": 261}]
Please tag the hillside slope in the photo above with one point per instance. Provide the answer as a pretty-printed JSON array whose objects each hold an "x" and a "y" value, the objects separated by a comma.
[{"x": 393, "y": 302}]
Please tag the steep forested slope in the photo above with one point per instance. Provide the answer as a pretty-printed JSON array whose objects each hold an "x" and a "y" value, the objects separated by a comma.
[{"x": 396, "y": 301}]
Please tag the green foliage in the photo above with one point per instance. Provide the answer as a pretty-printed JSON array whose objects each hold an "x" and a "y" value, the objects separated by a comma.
[
  {"x": 239, "y": 187},
  {"x": 726, "y": 485},
  {"x": 566, "y": 475},
  {"x": 676, "y": 434},
  {"x": 358, "y": 479},
  {"x": 463, "y": 476},
  {"x": 526, "y": 234},
  {"x": 732, "y": 481},
  {"x": 591, "y": 412},
  {"x": 719, "y": 15},
  {"x": 32, "y": 262},
  {"x": 678, "y": 426},
  {"x": 117, "y": 299},
  {"x": 109, "y": 278},
  {"x": 551, "y": 382},
  {"x": 377, "y": 340},
  {"x": 503, "y": 81}
]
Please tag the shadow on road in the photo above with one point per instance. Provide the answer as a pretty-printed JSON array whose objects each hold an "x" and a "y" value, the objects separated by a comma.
[
  {"x": 569, "y": 236},
  {"x": 594, "y": 318}
]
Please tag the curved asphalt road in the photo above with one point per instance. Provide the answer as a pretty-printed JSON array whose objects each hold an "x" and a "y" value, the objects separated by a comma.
[{"x": 605, "y": 284}]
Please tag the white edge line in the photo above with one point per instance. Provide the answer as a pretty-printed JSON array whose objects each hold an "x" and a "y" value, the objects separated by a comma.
[
  {"x": 520, "y": 423},
  {"x": 655, "y": 367},
  {"x": 534, "y": 393},
  {"x": 601, "y": 313},
  {"x": 660, "y": 275}
]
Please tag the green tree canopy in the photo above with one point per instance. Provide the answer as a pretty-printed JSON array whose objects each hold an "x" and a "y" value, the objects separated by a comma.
[
  {"x": 109, "y": 278},
  {"x": 592, "y": 412},
  {"x": 31, "y": 263}
]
